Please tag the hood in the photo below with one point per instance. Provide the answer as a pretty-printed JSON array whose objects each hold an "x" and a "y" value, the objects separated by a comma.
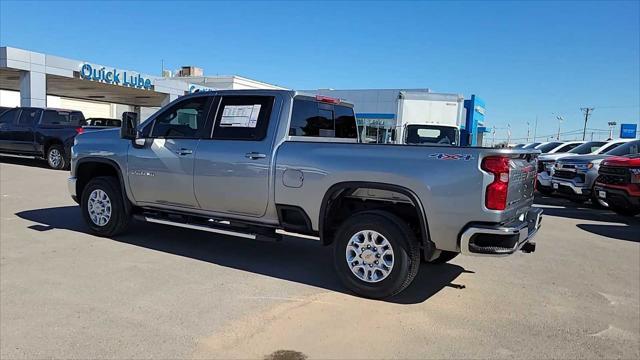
[
  {"x": 623, "y": 161},
  {"x": 553, "y": 157},
  {"x": 584, "y": 158}
]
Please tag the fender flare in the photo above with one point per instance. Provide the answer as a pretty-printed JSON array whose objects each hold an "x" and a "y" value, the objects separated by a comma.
[
  {"x": 339, "y": 187},
  {"x": 113, "y": 164}
]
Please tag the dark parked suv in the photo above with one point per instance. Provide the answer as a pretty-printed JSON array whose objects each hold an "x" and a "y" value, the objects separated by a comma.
[{"x": 45, "y": 133}]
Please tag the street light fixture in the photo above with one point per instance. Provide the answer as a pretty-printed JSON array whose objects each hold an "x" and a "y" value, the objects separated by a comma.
[
  {"x": 611, "y": 124},
  {"x": 560, "y": 120}
]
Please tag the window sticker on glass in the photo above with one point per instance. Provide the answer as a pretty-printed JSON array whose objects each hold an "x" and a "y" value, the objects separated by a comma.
[{"x": 240, "y": 116}]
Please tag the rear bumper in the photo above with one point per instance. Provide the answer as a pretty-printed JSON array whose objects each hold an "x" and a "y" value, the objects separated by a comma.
[
  {"x": 71, "y": 186},
  {"x": 502, "y": 239}
]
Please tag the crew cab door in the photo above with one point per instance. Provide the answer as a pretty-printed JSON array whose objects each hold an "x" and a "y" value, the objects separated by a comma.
[
  {"x": 7, "y": 123},
  {"x": 160, "y": 165},
  {"x": 24, "y": 130},
  {"x": 232, "y": 167}
]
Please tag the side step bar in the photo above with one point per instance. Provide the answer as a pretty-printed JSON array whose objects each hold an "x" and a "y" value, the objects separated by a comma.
[{"x": 246, "y": 235}]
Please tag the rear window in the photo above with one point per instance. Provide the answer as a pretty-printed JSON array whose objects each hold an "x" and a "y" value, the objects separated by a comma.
[
  {"x": 430, "y": 134},
  {"x": 58, "y": 117},
  {"x": 311, "y": 118}
]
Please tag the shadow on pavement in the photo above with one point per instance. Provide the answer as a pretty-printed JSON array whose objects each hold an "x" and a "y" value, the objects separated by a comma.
[
  {"x": 619, "y": 232},
  {"x": 293, "y": 259},
  {"x": 25, "y": 161}
]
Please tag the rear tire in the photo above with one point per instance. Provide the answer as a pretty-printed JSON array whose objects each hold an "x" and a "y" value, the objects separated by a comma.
[
  {"x": 444, "y": 257},
  {"x": 376, "y": 254},
  {"x": 56, "y": 158},
  {"x": 103, "y": 207}
]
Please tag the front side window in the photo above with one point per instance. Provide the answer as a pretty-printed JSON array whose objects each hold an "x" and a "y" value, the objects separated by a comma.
[
  {"x": 311, "y": 118},
  {"x": 8, "y": 116},
  {"x": 29, "y": 117},
  {"x": 243, "y": 117},
  {"x": 186, "y": 119}
]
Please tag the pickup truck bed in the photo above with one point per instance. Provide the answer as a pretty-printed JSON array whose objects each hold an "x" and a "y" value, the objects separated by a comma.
[{"x": 248, "y": 163}]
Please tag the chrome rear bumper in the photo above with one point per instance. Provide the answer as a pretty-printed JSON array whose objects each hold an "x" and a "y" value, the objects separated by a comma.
[{"x": 502, "y": 240}]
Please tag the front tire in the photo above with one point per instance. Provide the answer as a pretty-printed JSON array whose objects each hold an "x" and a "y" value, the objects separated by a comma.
[
  {"x": 376, "y": 254},
  {"x": 56, "y": 158},
  {"x": 103, "y": 207}
]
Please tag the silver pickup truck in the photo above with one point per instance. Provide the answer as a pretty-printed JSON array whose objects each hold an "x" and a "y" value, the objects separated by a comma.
[{"x": 257, "y": 163}]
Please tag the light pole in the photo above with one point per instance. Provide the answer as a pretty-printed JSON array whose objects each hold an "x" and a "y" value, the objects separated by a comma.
[
  {"x": 528, "y": 131},
  {"x": 611, "y": 125},
  {"x": 587, "y": 111}
]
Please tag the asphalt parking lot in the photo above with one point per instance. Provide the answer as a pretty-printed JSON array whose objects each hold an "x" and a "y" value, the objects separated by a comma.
[{"x": 162, "y": 292}]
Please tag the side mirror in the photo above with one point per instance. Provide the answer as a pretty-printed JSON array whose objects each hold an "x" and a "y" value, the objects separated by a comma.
[{"x": 129, "y": 125}]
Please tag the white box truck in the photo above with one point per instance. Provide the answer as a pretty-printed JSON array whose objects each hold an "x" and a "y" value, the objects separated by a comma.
[{"x": 405, "y": 116}]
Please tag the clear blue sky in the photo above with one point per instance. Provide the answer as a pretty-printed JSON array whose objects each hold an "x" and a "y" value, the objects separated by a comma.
[{"x": 524, "y": 58}]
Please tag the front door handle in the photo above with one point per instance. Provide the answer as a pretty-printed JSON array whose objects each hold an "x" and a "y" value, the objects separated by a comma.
[
  {"x": 254, "y": 155},
  {"x": 184, "y": 152}
]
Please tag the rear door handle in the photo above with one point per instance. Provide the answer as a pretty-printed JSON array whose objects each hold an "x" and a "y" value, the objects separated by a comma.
[
  {"x": 184, "y": 152},
  {"x": 254, "y": 155}
]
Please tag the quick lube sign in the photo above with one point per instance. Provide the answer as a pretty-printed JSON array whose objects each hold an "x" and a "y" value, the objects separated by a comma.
[{"x": 114, "y": 77}]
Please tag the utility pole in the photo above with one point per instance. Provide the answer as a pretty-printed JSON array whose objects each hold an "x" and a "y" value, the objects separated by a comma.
[
  {"x": 535, "y": 129},
  {"x": 508, "y": 134},
  {"x": 560, "y": 119},
  {"x": 528, "y": 131},
  {"x": 587, "y": 111},
  {"x": 493, "y": 141}
]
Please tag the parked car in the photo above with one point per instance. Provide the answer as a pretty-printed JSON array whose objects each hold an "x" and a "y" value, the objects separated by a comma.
[
  {"x": 575, "y": 176},
  {"x": 44, "y": 133},
  {"x": 248, "y": 163},
  {"x": 101, "y": 123},
  {"x": 546, "y": 162},
  {"x": 618, "y": 184}
]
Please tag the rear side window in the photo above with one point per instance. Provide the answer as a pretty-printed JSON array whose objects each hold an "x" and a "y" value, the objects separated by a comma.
[
  {"x": 29, "y": 117},
  {"x": 311, "y": 118},
  {"x": 243, "y": 117},
  {"x": 58, "y": 117}
]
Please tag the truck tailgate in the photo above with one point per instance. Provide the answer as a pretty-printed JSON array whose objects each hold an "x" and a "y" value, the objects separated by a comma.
[{"x": 522, "y": 177}]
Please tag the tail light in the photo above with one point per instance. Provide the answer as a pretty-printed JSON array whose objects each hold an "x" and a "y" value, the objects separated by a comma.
[
  {"x": 79, "y": 130},
  {"x": 496, "y": 194}
]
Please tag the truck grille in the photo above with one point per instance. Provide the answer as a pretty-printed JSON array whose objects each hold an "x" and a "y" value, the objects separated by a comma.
[
  {"x": 564, "y": 174},
  {"x": 614, "y": 175}
]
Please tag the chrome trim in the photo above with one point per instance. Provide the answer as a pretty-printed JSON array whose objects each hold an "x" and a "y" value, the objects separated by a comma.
[
  {"x": 202, "y": 228},
  {"x": 71, "y": 185},
  {"x": 523, "y": 231},
  {"x": 575, "y": 188}
]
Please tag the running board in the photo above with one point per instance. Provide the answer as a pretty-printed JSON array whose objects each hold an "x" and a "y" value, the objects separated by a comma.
[{"x": 201, "y": 227}]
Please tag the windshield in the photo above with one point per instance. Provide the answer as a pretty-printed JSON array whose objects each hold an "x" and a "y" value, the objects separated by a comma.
[
  {"x": 431, "y": 134},
  {"x": 629, "y": 148},
  {"x": 587, "y": 148},
  {"x": 548, "y": 147},
  {"x": 531, "y": 146}
]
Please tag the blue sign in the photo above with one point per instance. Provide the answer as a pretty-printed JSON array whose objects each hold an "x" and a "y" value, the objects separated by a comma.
[
  {"x": 114, "y": 77},
  {"x": 628, "y": 131}
]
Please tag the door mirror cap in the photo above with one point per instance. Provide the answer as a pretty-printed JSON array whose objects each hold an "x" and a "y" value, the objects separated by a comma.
[{"x": 129, "y": 127}]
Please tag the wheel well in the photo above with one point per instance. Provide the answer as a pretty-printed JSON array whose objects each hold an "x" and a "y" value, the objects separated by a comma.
[
  {"x": 89, "y": 170},
  {"x": 343, "y": 200},
  {"x": 49, "y": 143}
]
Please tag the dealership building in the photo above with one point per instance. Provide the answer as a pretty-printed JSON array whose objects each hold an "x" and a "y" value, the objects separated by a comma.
[{"x": 29, "y": 78}]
